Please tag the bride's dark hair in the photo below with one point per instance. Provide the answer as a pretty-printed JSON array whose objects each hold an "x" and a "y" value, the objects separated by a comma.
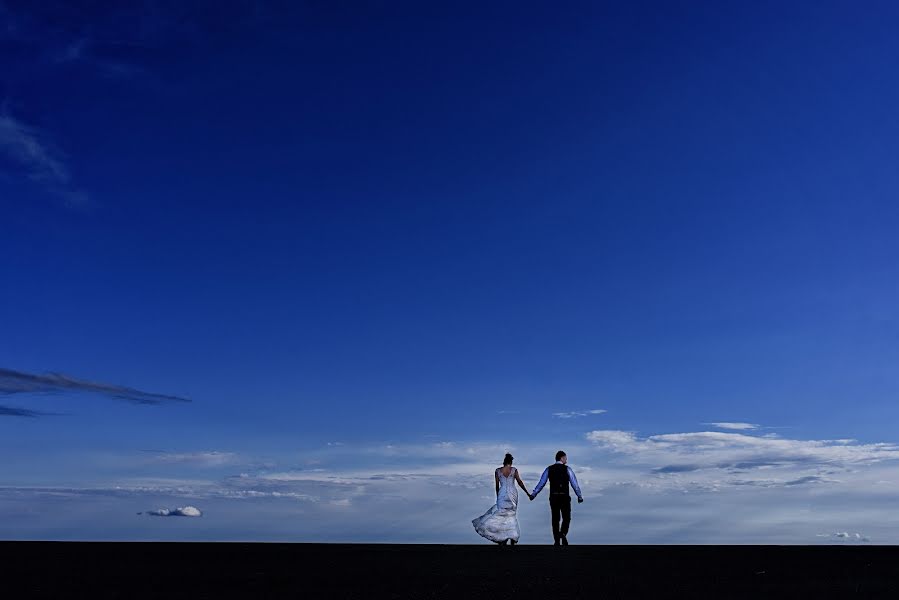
[{"x": 508, "y": 459}]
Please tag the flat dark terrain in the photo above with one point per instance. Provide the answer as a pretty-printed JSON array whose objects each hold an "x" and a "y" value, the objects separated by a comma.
[{"x": 238, "y": 570}]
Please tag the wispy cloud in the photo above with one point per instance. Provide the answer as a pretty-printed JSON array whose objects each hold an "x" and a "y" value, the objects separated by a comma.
[
  {"x": 211, "y": 458},
  {"x": 12, "y": 411},
  {"x": 17, "y": 382},
  {"x": 24, "y": 145},
  {"x": 736, "y": 426},
  {"x": 30, "y": 152},
  {"x": 579, "y": 413},
  {"x": 737, "y": 451}
]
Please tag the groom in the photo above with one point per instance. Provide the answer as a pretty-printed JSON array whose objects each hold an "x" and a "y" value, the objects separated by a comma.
[{"x": 559, "y": 476}]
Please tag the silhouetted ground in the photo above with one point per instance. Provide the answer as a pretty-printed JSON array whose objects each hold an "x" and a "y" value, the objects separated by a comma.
[{"x": 238, "y": 570}]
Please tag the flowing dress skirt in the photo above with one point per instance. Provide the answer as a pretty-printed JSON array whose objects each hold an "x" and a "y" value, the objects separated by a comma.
[{"x": 500, "y": 522}]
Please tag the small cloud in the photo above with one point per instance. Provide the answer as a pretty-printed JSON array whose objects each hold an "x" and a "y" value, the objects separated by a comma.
[
  {"x": 807, "y": 479},
  {"x": 181, "y": 511},
  {"x": 211, "y": 458},
  {"x": 676, "y": 469},
  {"x": 12, "y": 411},
  {"x": 23, "y": 145},
  {"x": 614, "y": 439},
  {"x": 845, "y": 536},
  {"x": 27, "y": 151},
  {"x": 334, "y": 444},
  {"x": 579, "y": 413},
  {"x": 736, "y": 426}
]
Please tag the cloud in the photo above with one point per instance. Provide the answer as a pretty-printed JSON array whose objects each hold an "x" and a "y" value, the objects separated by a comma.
[
  {"x": 11, "y": 411},
  {"x": 807, "y": 479},
  {"x": 578, "y": 413},
  {"x": 24, "y": 145},
  {"x": 17, "y": 382},
  {"x": 25, "y": 150},
  {"x": 89, "y": 52},
  {"x": 614, "y": 439},
  {"x": 182, "y": 511},
  {"x": 735, "y": 426},
  {"x": 422, "y": 493},
  {"x": 845, "y": 536},
  {"x": 212, "y": 458},
  {"x": 737, "y": 451}
]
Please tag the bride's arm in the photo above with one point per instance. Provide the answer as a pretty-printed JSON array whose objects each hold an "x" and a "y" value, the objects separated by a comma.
[
  {"x": 521, "y": 483},
  {"x": 496, "y": 480}
]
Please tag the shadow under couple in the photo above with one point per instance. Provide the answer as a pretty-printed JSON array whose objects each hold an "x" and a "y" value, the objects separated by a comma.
[{"x": 500, "y": 523}]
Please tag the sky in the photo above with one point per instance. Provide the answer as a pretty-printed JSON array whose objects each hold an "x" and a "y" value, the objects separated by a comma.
[{"x": 313, "y": 268}]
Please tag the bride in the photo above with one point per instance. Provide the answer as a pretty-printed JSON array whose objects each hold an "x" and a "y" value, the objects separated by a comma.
[{"x": 500, "y": 523}]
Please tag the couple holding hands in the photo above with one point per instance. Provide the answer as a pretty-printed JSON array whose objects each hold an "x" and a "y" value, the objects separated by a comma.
[{"x": 500, "y": 523}]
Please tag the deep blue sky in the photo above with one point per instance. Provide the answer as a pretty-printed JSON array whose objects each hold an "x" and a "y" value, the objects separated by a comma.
[{"x": 398, "y": 223}]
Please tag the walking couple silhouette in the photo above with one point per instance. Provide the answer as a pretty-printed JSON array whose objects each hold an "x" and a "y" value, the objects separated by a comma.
[{"x": 500, "y": 523}]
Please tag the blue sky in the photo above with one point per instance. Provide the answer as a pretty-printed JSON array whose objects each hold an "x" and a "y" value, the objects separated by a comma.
[{"x": 376, "y": 246}]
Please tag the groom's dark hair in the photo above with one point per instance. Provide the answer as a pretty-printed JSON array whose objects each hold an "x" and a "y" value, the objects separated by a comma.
[
  {"x": 508, "y": 459},
  {"x": 559, "y": 455}
]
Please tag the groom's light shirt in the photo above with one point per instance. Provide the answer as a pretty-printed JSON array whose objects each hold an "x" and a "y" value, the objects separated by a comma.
[{"x": 545, "y": 477}]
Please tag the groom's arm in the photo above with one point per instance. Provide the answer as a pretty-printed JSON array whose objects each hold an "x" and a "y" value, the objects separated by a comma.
[
  {"x": 573, "y": 480},
  {"x": 543, "y": 479}
]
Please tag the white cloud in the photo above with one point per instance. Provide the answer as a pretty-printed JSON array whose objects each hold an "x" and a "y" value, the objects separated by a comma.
[
  {"x": 845, "y": 536},
  {"x": 23, "y": 145},
  {"x": 181, "y": 511},
  {"x": 737, "y": 426},
  {"x": 614, "y": 439},
  {"x": 210, "y": 458},
  {"x": 739, "y": 452},
  {"x": 32, "y": 154},
  {"x": 579, "y": 413}
]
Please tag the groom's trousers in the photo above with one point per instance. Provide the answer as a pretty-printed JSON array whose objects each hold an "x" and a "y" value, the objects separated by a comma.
[{"x": 560, "y": 505}]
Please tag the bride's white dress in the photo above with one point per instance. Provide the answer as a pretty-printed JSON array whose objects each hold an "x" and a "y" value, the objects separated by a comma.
[{"x": 500, "y": 523}]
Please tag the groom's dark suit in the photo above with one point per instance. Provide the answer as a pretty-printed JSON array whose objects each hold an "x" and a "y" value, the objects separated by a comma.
[{"x": 560, "y": 476}]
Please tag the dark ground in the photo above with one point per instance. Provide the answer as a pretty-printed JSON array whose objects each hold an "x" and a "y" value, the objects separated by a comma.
[{"x": 237, "y": 570}]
